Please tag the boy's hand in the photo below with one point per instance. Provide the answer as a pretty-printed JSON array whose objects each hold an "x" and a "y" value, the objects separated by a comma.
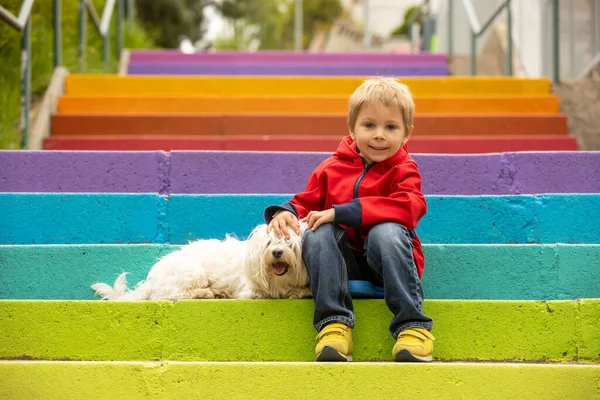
[
  {"x": 279, "y": 224},
  {"x": 314, "y": 219}
]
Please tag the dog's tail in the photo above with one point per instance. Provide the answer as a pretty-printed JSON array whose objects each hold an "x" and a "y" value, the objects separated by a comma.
[{"x": 119, "y": 291}]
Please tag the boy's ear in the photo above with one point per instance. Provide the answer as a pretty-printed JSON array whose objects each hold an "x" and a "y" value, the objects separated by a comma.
[
  {"x": 351, "y": 133},
  {"x": 410, "y": 131}
]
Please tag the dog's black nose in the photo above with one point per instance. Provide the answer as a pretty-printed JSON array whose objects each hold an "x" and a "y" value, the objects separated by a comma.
[{"x": 277, "y": 253}]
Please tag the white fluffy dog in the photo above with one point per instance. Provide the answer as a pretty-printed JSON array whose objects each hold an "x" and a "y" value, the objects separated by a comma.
[{"x": 264, "y": 266}]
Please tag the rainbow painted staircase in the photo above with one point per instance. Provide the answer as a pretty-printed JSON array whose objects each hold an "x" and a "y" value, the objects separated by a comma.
[
  {"x": 296, "y": 102},
  {"x": 512, "y": 244}
]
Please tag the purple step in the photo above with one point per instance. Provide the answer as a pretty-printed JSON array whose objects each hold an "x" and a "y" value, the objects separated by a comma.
[
  {"x": 288, "y": 69},
  {"x": 284, "y": 173},
  {"x": 175, "y": 56}
]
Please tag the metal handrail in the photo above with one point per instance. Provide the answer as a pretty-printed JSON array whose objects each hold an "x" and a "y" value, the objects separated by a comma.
[
  {"x": 102, "y": 26},
  {"x": 22, "y": 24},
  {"x": 17, "y": 22},
  {"x": 477, "y": 30}
]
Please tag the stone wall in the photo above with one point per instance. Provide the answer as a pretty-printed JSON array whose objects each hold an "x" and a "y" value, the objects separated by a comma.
[{"x": 580, "y": 101}]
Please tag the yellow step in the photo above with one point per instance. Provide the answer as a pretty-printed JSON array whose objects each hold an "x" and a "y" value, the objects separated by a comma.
[{"x": 295, "y": 86}]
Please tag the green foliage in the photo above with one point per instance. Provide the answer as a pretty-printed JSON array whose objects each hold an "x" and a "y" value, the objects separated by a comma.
[
  {"x": 42, "y": 33},
  {"x": 271, "y": 22},
  {"x": 172, "y": 20},
  {"x": 408, "y": 15},
  {"x": 317, "y": 15}
]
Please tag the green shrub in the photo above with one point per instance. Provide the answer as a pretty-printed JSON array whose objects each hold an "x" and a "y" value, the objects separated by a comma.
[{"x": 408, "y": 14}]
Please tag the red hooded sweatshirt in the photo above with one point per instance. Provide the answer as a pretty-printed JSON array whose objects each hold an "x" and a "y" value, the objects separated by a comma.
[{"x": 364, "y": 195}]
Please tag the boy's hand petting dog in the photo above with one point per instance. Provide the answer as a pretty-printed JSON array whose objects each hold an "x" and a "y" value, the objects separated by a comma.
[
  {"x": 314, "y": 219},
  {"x": 280, "y": 222}
]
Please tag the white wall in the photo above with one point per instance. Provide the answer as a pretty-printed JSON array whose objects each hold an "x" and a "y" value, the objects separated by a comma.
[{"x": 527, "y": 34}]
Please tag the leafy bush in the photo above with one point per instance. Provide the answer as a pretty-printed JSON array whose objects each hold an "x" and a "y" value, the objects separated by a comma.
[
  {"x": 172, "y": 20},
  {"x": 408, "y": 14}
]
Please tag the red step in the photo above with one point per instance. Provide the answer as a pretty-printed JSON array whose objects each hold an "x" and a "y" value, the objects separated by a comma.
[
  {"x": 417, "y": 144},
  {"x": 299, "y": 125}
]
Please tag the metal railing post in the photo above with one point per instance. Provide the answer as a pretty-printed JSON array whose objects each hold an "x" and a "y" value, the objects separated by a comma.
[
  {"x": 25, "y": 82},
  {"x": 473, "y": 53},
  {"x": 120, "y": 15},
  {"x": 555, "y": 42},
  {"x": 57, "y": 34},
  {"x": 597, "y": 25},
  {"x": 509, "y": 43},
  {"x": 298, "y": 25},
  {"x": 450, "y": 28},
  {"x": 82, "y": 34},
  {"x": 367, "y": 26},
  {"x": 106, "y": 52},
  {"x": 571, "y": 18}
]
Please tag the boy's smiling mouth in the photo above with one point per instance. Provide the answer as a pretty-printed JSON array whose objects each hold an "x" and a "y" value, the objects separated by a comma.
[{"x": 378, "y": 147}]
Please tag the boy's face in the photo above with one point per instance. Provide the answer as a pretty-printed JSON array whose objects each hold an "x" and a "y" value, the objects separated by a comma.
[{"x": 379, "y": 132}]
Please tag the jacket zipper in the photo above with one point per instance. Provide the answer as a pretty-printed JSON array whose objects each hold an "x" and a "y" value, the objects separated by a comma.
[{"x": 356, "y": 187}]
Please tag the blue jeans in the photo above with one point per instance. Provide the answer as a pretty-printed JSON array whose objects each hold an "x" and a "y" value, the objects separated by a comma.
[{"x": 386, "y": 260}]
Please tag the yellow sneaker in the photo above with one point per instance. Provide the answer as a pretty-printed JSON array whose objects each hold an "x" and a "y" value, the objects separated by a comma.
[
  {"x": 334, "y": 343},
  {"x": 413, "y": 344}
]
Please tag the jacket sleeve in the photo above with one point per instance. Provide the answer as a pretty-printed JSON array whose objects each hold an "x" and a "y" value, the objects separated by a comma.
[
  {"x": 312, "y": 199},
  {"x": 406, "y": 205}
]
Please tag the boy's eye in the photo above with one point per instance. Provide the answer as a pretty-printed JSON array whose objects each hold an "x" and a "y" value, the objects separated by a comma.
[
  {"x": 392, "y": 127},
  {"x": 369, "y": 125}
]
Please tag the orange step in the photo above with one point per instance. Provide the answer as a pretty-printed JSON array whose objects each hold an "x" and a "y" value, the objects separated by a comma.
[
  {"x": 417, "y": 144},
  {"x": 308, "y": 105},
  {"x": 301, "y": 125}
]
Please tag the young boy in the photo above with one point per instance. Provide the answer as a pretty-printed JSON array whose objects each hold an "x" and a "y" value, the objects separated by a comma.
[{"x": 361, "y": 207}]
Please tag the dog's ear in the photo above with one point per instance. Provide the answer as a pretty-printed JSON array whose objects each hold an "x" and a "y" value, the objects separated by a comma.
[{"x": 258, "y": 232}]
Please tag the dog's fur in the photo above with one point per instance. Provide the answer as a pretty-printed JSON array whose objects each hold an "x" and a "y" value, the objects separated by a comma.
[{"x": 264, "y": 266}]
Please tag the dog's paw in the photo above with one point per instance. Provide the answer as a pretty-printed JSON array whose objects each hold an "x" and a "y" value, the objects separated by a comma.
[
  {"x": 303, "y": 293},
  {"x": 248, "y": 294}
]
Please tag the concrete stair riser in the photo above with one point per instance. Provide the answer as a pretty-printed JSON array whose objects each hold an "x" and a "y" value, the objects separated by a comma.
[
  {"x": 301, "y": 105},
  {"x": 91, "y": 84},
  {"x": 59, "y": 218},
  {"x": 280, "y": 69},
  {"x": 174, "y": 380},
  {"x": 281, "y": 330},
  {"x": 423, "y": 144},
  {"x": 468, "y": 272},
  {"x": 253, "y": 172},
  {"x": 298, "y": 125}
]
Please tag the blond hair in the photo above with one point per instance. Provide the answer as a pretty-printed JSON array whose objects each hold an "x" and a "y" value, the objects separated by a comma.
[{"x": 387, "y": 91}]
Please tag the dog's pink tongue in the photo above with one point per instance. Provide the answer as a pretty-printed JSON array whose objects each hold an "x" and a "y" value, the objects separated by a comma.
[{"x": 279, "y": 270}]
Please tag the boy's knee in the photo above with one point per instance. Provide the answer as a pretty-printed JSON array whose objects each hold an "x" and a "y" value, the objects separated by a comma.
[
  {"x": 312, "y": 238},
  {"x": 388, "y": 232}
]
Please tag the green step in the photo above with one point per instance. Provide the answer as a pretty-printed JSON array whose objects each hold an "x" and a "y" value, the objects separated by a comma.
[
  {"x": 40, "y": 380},
  {"x": 498, "y": 272},
  {"x": 281, "y": 330}
]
